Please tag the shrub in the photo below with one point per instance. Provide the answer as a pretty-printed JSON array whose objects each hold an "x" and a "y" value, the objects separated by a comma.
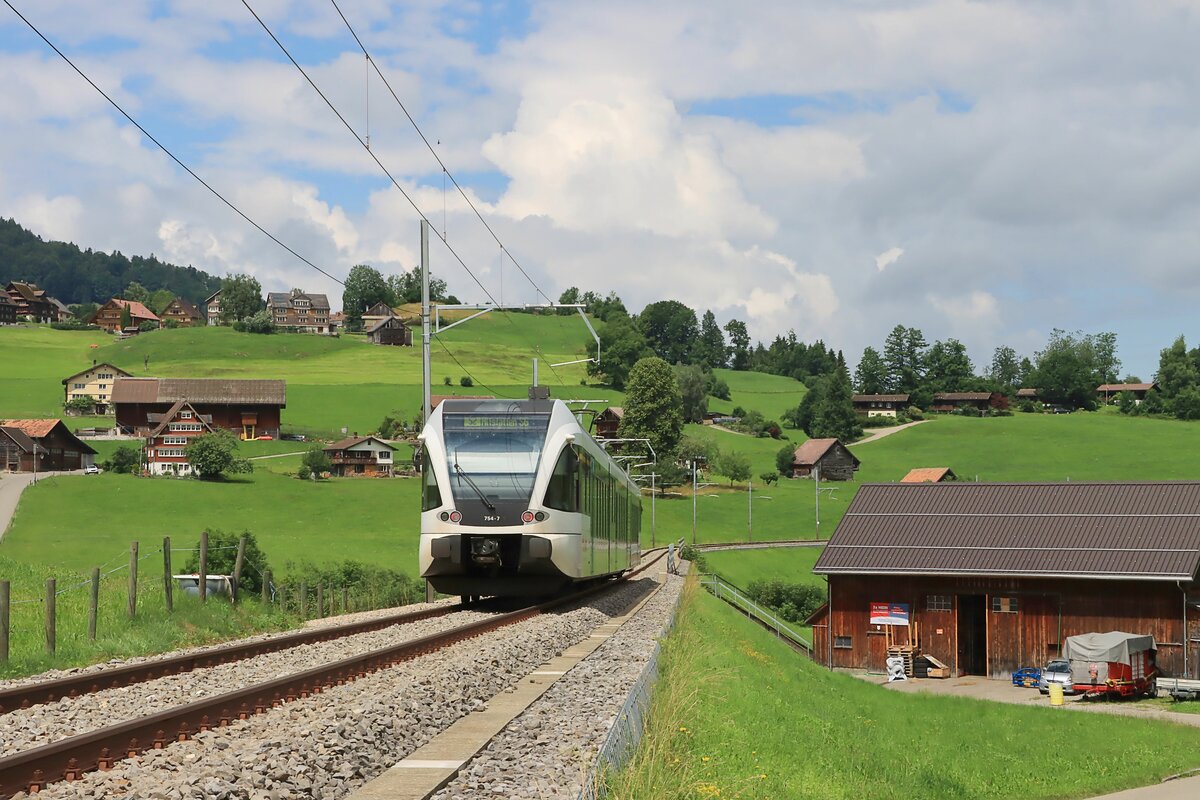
[
  {"x": 446, "y": 381},
  {"x": 317, "y": 461},
  {"x": 222, "y": 554},
  {"x": 123, "y": 461},
  {"x": 73, "y": 325},
  {"x": 915, "y": 414},
  {"x": 738, "y": 411},
  {"x": 258, "y": 322},
  {"x": 303, "y": 472},
  {"x": 768, "y": 477},
  {"x": 81, "y": 404},
  {"x": 171, "y": 324},
  {"x": 148, "y": 325},
  {"x": 792, "y": 601},
  {"x": 465, "y": 380},
  {"x": 689, "y": 552},
  {"x": 385, "y": 587},
  {"x": 784, "y": 459},
  {"x": 1025, "y": 406},
  {"x": 390, "y": 427}
]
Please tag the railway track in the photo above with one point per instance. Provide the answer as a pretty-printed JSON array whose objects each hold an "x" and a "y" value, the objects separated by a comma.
[{"x": 70, "y": 758}]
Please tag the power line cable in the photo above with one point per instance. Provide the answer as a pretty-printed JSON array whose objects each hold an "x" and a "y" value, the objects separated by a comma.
[
  {"x": 445, "y": 171},
  {"x": 366, "y": 147},
  {"x": 164, "y": 148}
]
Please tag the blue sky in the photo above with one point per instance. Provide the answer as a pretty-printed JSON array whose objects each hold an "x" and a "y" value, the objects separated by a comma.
[{"x": 986, "y": 171}]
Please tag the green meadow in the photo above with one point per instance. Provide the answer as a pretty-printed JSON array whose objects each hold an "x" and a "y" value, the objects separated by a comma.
[{"x": 737, "y": 714}]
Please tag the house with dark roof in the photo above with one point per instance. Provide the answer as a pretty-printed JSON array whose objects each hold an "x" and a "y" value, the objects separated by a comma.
[
  {"x": 248, "y": 408},
  {"x": 980, "y": 401},
  {"x": 18, "y": 450},
  {"x": 361, "y": 457},
  {"x": 389, "y": 330},
  {"x": 57, "y": 448},
  {"x": 300, "y": 312},
  {"x": 108, "y": 316},
  {"x": 32, "y": 302},
  {"x": 212, "y": 308},
  {"x": 1109, "y": 392},
  {"x": 166, "y": 444},
  {"x": 605, "y": 425},
  {"x": 879, "y": 405},
  {"x": 824, "y": 459},
  {"x": 1028, "y": 393},
  {"x": 929, "y": 475},
  {"x": 183, "y": 313},
  {"x": 990, "y": 577},
  {"x": 8, "y": 310}
]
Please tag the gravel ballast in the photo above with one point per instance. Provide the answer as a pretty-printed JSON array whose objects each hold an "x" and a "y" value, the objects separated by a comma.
[
  {"x": 328, "y": 744},
  {"x": 42, "y": 724},
  {"x": 548, "y": 750}
]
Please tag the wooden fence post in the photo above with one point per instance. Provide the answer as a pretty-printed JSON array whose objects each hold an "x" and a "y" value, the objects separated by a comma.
[
  {"x": 133, "y": 565},
  {"x": 266, "y": 586},
  {"x": 167, "y": 579},
  {"x": 303, "y": 600},
  {"x": 345, "y": 599},
  {"x": 320, "y": 600},
  {"x": 94, "y": 604},
  {"x": 51, "y": 617},
  {"x": 4, "y": 606},
  {"x": 203, "y": 567},
  {"x": 237, "y": 567}
]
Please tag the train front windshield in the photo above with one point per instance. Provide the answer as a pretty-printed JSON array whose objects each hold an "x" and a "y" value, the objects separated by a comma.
[{"x": 493, "y": 457}]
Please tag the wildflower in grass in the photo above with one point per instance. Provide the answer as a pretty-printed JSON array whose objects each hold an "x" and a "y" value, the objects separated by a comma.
[
  {"x": 705, "y": 759},
  {"x": 682, "y": 729},
  {"x": 708, "y": 790}
]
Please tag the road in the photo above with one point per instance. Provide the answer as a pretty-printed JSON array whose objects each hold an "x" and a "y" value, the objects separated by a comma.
[{"x": 879, "y": 433}]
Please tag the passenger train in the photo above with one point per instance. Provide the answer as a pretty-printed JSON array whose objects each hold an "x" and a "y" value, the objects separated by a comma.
[{"x": 518, "y": 499}]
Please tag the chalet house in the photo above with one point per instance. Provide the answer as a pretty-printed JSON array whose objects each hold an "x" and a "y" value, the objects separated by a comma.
[
  {"x": 32, "y": 302},
  {"x": 61, "y": 311},
  {"x": 828, "y": 458},
  {"x": 18, "y": 451},
  {"x": 993, "y": 576},
  {"x": 361, "y": 456},
  {"x": 166, "y": 444},
  {"x": 607, "y": 421},
  {"x": 8, "y": 310},
  {"x": 929, "y": 475},
  {"x": 390, "y": 330},
  {"x": 879, "y": 405},
  {"x": 108, "y": 316},
  {"x": 96, "y": 383},
  {"x": 212, "y": 308},
  {"x": 1109, "y": 392},
  {"x": 182, "y": 313},
  {"x": 981, "y": 401},
  {"x": 248, "y": 408},
  {"x": 299, "y": 312},
  {"x": 60, "y": 449},
  {"x": 1028, "y": 394}
]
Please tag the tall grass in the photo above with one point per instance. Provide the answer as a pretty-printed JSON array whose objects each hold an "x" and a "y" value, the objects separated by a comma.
[{"x": 738, "y": 714}]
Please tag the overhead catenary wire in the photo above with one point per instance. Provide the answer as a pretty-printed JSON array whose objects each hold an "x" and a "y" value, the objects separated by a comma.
[
  {"x": 446, "y": 173},
  {"x": 374, "y": 157}
]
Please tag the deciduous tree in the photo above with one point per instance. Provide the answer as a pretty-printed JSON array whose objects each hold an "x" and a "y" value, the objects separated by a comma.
[
  {"x": 870, "y": 376},
  {"x": 621, "y": 346},
  {"x": 670, "y": 329},
  {"x": 739, "y": 344},
  {"x": 653, "y": 406},
  {"x": 693, "y": 389},
  {"x": 212, "y": 454},
  {"x": 711, "y": 347},
  {"x": 365, "y": 287},
  {"x": 241, "y": 297}
]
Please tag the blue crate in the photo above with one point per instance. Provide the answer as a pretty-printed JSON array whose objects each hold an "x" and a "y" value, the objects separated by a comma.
[{"x": 1028, "y": 677}]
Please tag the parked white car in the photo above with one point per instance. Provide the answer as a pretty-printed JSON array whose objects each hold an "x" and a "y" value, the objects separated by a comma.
[
  {"x": 91, "y": 469},
  {"x": 1057, "y": 671}
]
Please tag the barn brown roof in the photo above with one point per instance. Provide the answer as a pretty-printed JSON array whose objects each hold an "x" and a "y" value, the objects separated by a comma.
[
  {"x": 814, "y": 450},
  {"x": 928, "y": 475},
  {"x": 1079, "y": 530},
  {"x": 22, "y": 440},
  {"x": 952, "y": 396},
  {"x": 879, "y": 398},
  {"x": 1027, "y": 392},
  {"x": 1126, "y": 387},
  {"x": 226, "y": 391},
  {"x": 41, "y": 428}
]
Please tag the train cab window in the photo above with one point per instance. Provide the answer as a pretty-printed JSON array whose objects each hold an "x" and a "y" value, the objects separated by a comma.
[
  {"x": 562, "y": 492},
  {"x": 431, "y": 496}
]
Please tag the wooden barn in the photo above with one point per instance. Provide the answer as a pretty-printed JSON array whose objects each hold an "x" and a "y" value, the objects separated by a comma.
[
  {"x": 981, "y": 401},
  {"x": 879, "y": 405},
  {"x": 993, "y": 577},
  {"x": 1109, "y": 392},
  {"x": 57, "y": 448},
  {"x": 829, "y": 458},
  {"x": 390, "y": 330},
  {"x": 182, "y": 313},
  {"x": 1028, "y": 393},
  {"x": 607, "y": 421},
  {"x": 248, "y": 408}
]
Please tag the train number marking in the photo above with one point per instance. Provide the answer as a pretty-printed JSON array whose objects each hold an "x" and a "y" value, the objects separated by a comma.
[{"x": 491, "y": 517}]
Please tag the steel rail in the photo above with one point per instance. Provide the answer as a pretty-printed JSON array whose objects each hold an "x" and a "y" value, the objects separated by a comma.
[
  {"x": 68, "y": 759},
  {"x": 32, "y": 694}
]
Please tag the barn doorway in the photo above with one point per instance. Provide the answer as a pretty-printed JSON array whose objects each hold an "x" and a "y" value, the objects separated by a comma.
[{"x": 972, "y": 634}]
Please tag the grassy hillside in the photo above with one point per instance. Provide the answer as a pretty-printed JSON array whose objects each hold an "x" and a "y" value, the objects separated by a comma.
[
  {"x": 738, "y": 714},
  {"x": 771, "y": 395}
]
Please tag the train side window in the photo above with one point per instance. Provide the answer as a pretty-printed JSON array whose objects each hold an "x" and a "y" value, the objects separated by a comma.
[
  {"x": 562, "y": 492},
  {"x": 431, "y": 496}
]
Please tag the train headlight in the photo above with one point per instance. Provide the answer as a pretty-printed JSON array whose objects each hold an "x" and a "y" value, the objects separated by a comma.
[
  {"x": 527, "y": 517},
  {"x": 456, "y": 516},
  {"x": 541, "y": 516},
  {"x": 444, "y": 516}
]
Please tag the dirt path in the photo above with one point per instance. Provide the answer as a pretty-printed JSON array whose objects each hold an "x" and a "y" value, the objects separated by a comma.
[
  {"x": 276, "y": 455},
  {"x": 879, "y": 433}
]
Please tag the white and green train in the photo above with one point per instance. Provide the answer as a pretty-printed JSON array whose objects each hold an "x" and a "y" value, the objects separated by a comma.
[{"x": 518, "y": 499}]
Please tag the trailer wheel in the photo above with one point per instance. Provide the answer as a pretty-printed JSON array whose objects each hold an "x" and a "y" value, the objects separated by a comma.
[{"x": 1153, "y": 690}]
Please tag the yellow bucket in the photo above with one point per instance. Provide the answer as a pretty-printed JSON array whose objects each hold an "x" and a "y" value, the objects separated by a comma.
[{"x": 1056, "y": 694}]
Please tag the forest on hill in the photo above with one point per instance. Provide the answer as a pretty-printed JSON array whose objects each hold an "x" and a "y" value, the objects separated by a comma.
[{"x": 88, "y": 276}]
